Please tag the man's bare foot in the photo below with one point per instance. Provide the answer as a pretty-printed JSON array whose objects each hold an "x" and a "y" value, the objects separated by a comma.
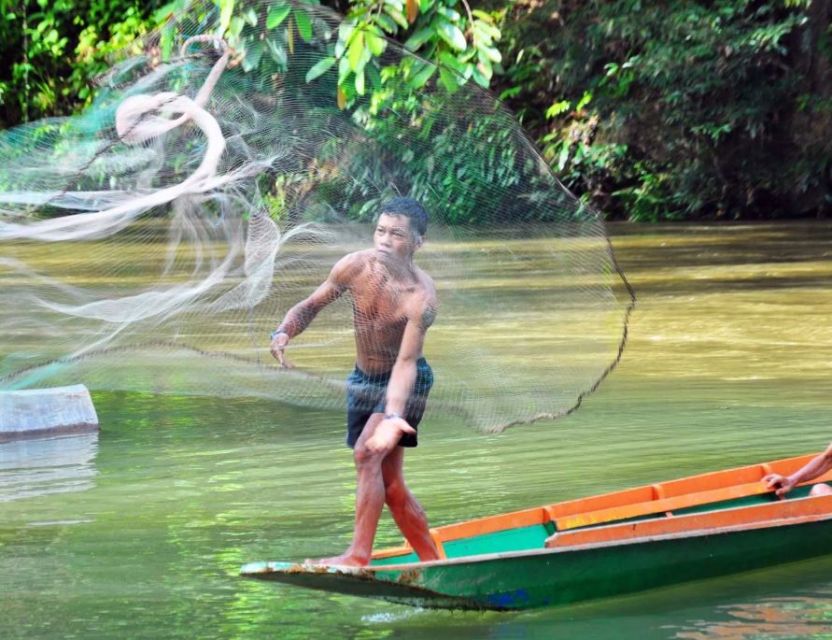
[{"x": 344, "y": 560}]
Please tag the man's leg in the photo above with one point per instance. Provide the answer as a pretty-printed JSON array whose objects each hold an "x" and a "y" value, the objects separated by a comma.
[
  {"x": 406, "y": 510},
  {"x": 369, "y": 499}
]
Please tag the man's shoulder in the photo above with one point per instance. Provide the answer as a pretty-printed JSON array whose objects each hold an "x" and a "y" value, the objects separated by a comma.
[
  {"x": 427, "y": 301},
  {"x": 426, "y": 284},
  {"x": 352, "y": 264},
  {"x": 356, "y": 257},
  {"x": 428, "y": 304}
]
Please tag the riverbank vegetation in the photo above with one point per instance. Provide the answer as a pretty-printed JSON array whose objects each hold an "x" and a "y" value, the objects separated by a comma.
[{"x": 646, "y": 110}]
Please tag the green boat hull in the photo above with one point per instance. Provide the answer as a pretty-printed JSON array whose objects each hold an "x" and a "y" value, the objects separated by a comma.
[{"x": 551, "y": 577}]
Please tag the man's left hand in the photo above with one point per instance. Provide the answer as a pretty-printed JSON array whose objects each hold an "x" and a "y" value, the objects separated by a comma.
[
  {"x": 278, "y": 349},
  {"x": 779, "y": 483},
  {"x": 387, "y": 435}
]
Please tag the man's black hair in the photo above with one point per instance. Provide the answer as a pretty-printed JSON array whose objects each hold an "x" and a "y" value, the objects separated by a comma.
[{"x": 410, "y": 209}]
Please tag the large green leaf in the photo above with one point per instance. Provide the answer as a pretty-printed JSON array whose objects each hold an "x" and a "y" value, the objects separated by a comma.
[
  {"x": 226, "y": 11},
  {"x": 235, "y": 27},
  {"x": 418, "y": 80},
  {"x": 343, "y": 70},
  {"x": 493, "y": 54},
  {"x": 451, "y": 34},
  {"x": 345, "y": 30},
  {"x": 449, "y": 79},
  {"x": 398, "y": 17},
  {"x": 375, "y": 42},
  {"x": 304, "y": 23},
  {"x": 277, "y": 14},
  {"x": 356, "y": 51},
  {"x": 450, "y": 14},
  {"x": 320, "y": 68},
  {"x": 386, "y": 23},
  {"x": 359, "y": 82},
  {"x": 480, "y": 78},
  {"x": 419, "y": 38}
]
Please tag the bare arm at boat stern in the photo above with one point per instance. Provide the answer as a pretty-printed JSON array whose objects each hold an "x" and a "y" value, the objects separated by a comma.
[
  {"x": 402, "y": 381},
  {"x": 817, "y": 466},
  {"x": 303, "y": 313}
]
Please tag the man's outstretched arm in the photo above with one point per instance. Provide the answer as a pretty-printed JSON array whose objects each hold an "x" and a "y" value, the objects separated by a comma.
[
  {"x": 303, "y": 313},
  {"x": 815, "y": 467}
]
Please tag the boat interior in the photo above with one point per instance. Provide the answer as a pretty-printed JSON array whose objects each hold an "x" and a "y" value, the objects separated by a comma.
[{"x": 712, "y": 501}]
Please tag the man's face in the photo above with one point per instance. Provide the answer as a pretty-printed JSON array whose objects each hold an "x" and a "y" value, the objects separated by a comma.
[{"x": 394, "y": 238}]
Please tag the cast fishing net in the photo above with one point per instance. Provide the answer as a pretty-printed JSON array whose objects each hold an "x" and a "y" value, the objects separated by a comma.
[{"x": 153, "y": 242}]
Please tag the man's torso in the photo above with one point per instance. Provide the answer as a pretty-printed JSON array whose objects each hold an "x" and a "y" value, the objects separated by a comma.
[{"x": 383, "y": 298}]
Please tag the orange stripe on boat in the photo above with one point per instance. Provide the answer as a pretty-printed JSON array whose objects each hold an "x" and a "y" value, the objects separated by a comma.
[
  {"x": 668, "y": 505},
  {"x": 658, "y": 506},
  {"x": 775, "y": 512},
  {"x": 513, "y": 520},
  {"x": 692, "y": 484},
  {"x": 687, "y": 492}
]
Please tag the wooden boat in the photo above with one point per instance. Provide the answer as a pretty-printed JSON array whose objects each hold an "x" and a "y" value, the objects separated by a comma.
[{"x": 623, "y": 542}]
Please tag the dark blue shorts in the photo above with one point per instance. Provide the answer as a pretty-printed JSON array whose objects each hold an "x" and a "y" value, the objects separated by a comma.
[{"x": 367, "y": 394}]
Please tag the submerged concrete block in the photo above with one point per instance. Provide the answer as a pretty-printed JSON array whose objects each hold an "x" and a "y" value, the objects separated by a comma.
[{"x": 35, "y": 412}]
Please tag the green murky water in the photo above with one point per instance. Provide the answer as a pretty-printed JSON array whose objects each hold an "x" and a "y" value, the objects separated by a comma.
[{"x": 138, "y": 532}]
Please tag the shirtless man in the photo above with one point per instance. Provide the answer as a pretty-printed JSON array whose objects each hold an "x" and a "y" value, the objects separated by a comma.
[
  {"x": 817, "y": 466},
  {"x": 394, "y": 304}
]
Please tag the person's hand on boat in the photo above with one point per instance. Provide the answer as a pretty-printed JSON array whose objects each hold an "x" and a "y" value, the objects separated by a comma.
[
  {"x": 781, "y": 484},
  {"x": 278, "y": 348},
  {"x": 388, "y": 433}
]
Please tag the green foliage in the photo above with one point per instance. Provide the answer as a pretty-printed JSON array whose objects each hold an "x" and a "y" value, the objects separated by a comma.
[
  {"x": 649, "y": 111},
  {"x": 55, "y": 48},
  {"x": 680, "y": 108},
  {"x": 462, "y": 173},
  {"x": 380, "y": 92},
  {"x": 457, "y": 42}
]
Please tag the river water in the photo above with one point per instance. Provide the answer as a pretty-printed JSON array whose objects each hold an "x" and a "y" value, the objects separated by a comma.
[{"x": 139, "y": 531}]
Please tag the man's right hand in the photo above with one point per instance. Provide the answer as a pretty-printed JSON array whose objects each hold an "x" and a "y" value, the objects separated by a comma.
[
  {"x": 387, "y": 435},
  {"x": 781, "y": 484},
  {"x": 278, "y": 349}
]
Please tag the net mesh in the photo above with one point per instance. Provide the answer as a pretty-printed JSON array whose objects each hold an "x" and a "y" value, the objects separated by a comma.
[{"x": 154, "y": 241}]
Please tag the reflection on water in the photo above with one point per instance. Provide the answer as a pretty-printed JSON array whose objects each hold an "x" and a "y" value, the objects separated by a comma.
[
  {"x": 807, "y": 613},
  {"x": 42, "y": 466},
  {"x": 786, "y": 617}
]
